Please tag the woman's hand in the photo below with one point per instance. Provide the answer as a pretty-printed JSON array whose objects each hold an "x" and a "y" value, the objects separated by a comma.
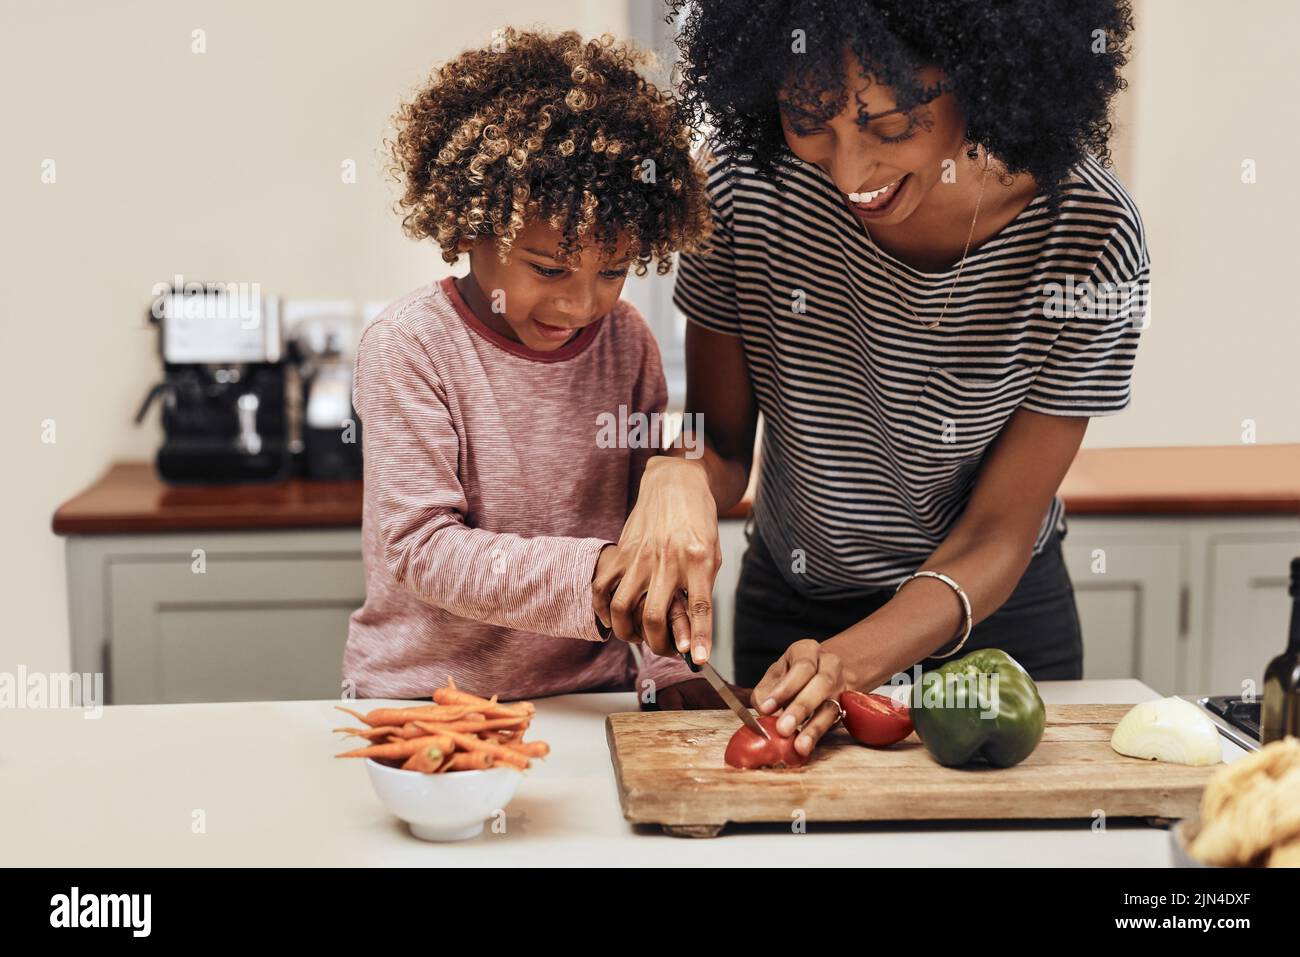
[
  {"x": 678, "y": 619},
  {"x": 669, "y": 544},
  {"x": 806, "y": 681}
]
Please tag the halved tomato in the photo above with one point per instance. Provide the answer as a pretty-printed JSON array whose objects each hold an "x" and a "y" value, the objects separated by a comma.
[
  {"x": 875, "y": 719},
  {"x": 747, "y": 750}
]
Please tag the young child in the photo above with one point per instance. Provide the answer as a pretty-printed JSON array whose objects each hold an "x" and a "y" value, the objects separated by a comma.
[{"x": 488, "y": 499}]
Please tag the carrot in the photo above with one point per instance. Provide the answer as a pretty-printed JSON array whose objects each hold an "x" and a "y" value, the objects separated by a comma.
[
  {"x": 439, "y": 727},
  {"x": 428, "y": 760},
  {"x": 467, "y": 742},
  {"x": 471, "y": 722},
  {"x": 451, "y": 695},
  {"x": 460, "y": 731},
  {"x": 371, "y": 733},
  {"x": 400, "y": 716},
  {"x": 400, "y": 749},
  {"x": 532, "y": 749},
  {"x": 518, "y": 725},
  {"x": 445, "y": 763},
  {"x": 469, "y": 726},
  {"x": 470, "y": 761},
  {"x": 356, "y": 714},
  {"x": 413, "y": 729}
]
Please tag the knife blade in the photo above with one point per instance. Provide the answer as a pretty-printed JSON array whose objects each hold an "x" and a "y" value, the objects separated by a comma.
[{"x": 726, "y": 694}]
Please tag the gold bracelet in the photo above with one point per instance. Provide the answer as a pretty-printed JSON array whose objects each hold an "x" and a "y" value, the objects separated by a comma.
[{"x": 965, "y": 604}]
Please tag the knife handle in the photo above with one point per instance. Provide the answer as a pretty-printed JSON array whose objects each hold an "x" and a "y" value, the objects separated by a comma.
[{"x": 686, "y": 657}]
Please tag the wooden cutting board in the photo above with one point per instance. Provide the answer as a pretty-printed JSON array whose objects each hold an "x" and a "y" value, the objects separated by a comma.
[{"x": 670, "y": 771}]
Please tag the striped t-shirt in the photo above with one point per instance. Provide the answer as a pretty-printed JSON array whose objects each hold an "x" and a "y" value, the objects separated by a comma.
[{"x": 873, "y": 425}]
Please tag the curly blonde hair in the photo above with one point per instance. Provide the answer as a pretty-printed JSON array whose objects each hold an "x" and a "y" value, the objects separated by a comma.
[{"x": 549, "y": 126}]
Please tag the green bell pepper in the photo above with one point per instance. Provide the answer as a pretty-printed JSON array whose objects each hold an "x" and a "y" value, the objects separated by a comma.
[{"x": 983, "y": 705}]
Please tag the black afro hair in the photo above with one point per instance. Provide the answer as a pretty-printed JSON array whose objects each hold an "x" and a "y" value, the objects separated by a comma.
[{"x": 1034, "y": 78}]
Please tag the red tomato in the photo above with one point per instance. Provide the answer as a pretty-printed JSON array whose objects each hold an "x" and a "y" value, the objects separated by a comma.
[
  {"x": 875, "y": 719},
  {"x": 747, "y": 750}
]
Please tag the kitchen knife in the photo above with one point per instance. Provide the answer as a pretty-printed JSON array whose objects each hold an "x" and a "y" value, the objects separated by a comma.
[{"x": 726, "y": 694}]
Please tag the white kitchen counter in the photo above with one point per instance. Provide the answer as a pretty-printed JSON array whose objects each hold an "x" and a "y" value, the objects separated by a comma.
[{"x": 123, "y": 790}]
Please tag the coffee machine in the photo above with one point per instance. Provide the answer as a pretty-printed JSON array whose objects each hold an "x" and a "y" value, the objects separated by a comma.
[
  {"x": 326, "y": 427},
  {"x": 223, "y": 390}
]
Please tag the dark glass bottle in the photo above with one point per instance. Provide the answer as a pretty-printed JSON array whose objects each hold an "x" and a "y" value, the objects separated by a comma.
[{"x": 1281, "y": 712}]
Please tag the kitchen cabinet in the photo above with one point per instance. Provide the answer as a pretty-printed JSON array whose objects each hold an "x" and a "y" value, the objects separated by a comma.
[
  {"x": 1246, "y": 607},
  {"x": 214, "y": 616},
  {"x": 1128, "y": 579},
  {"x": 1185, "y": 605}
]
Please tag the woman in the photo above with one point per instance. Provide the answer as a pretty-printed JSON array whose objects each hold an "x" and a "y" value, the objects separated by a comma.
[{"x": 926, "y": 279}]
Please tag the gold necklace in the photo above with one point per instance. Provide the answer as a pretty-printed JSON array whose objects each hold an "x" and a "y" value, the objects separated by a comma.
[{"x": 960, "y": 265}]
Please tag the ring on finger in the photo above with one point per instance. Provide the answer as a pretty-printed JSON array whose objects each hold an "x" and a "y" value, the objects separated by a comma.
[{"x": 838, "y": 717}]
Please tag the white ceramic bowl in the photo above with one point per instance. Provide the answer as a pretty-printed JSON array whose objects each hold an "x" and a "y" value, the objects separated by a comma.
[{"x": 444, "y": 807}]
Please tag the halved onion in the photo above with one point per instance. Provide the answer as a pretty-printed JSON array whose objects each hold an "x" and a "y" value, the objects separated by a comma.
[{"x": 1172, "y": 730}]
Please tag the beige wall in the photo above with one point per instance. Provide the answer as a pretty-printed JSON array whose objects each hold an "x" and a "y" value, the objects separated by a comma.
[
  {"x": 224, "y": 165},
  {"x": 1214, "y": 85},
  {"x": 249, "y": 138}
]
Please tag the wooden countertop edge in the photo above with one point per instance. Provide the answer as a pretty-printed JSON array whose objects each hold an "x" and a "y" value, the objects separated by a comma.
[
  {"x": 1257, "y": 505},
  {"x": 88, "y": 513},
  {"x": 262, "y": 521},
  {"x": 155, "y": 524},
  {"x": 1119, "y": 507}
]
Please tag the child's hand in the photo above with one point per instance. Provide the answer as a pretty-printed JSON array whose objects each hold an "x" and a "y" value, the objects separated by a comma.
[
  {"x": 693, "y": 694},
  {"x": 603, "y": 574},
  {"x": 605, "y": 563}
]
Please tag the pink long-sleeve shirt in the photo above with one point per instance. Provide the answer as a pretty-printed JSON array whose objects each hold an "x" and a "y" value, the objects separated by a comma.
[{"x": 489, "y": 493}]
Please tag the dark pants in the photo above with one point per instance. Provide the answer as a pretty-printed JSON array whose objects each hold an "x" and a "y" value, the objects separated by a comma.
[{"x": 1038, "y": 625}]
